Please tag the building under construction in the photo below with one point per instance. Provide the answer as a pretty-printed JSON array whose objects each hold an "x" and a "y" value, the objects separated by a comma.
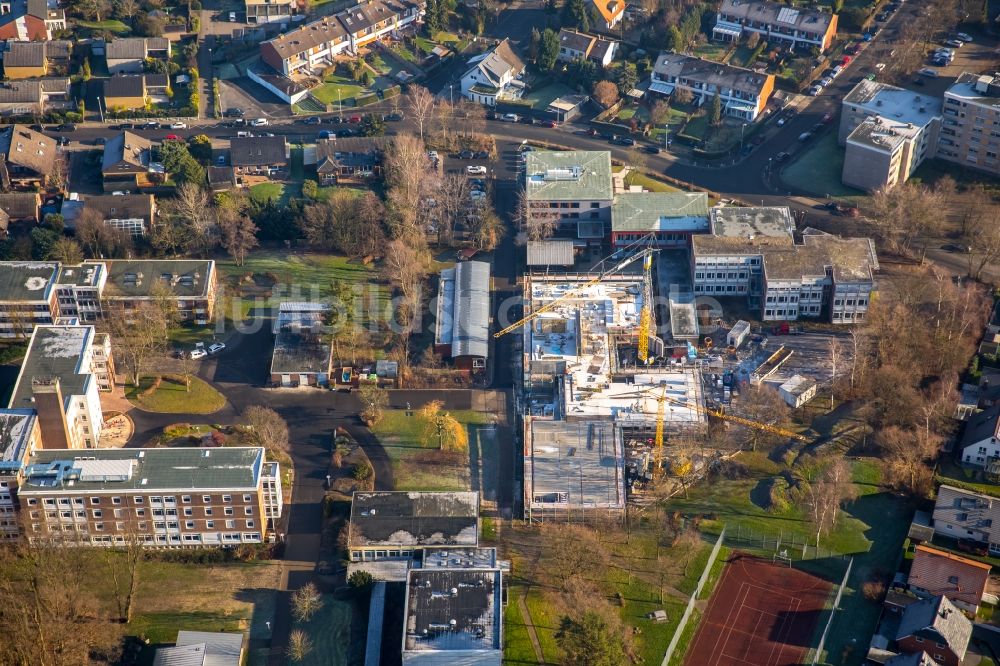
[{"x": 588, "y": 397}]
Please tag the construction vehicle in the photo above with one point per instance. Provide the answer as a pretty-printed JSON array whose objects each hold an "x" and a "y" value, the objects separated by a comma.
[{"x": 641, "y": 254}]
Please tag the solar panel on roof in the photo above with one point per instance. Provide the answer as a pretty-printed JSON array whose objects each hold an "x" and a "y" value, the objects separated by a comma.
[{"x": 788, "y": 15}]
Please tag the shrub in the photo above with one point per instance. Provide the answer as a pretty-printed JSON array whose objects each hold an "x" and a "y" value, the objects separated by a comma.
[
  {"x": 363, "y": 471},
  {"x": 152, "y": 388},
  {"x": 873, "y": 590},
  {"x": 360, "y": 580}
]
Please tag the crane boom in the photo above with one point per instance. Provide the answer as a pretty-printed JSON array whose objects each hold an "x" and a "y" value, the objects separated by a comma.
[{"x": 573, "y": 292}]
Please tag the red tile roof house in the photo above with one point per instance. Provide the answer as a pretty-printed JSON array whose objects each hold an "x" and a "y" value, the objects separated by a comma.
[{"x": 962, "y": 580}]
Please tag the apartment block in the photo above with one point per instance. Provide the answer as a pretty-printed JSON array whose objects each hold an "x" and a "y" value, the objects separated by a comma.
[
  {"x": 27, "y": 297},
  {"x": 19, "y": 437},
  {"x": 752, "y": 253},
  {"x": 191, "y": 281},
  {"x": 743, "y": 92},
  {"x": 571, "y": 189},
  {"x": 61, "y": 377},
  {"x": 964, "y": 514},
  {"x": 166, "y": 498},
  {"x": 970, "y": 132},
  {"x": 799, "y": 27}
]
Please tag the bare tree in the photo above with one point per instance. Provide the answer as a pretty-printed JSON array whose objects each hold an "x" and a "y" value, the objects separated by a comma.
[
  {"x": 538, "y": 224},
  {"x": 908, "y": 458},
  {"x": 374, "y": 400},
  {"x": 441, "y": 428},
  {"x": 605, "y": 93},
  {"x": 299, "y": 645},
  {"x": 823, "y": 497},
  {"x": 67, "y": 251},
  {"x": 452, "y": 200},
  {"x": 487, "y": 229},
  {"x": 189, "y": 209},
  {"x": 410, "y": 184},
  {"x": 122, "y": 563},
  {"x": 238, "y": 232},
  {"x": 763, "y": 404},
  {"x": 420, "y": 102},
  {"x": 980, "y": 232},
  {"x": 268, "y": 428},
  {"x": 905, "y": 213},
  {"x": 99, "y": 240},
  {"x": 139, "y": 334},
  {"x": 306, "y": 601}
]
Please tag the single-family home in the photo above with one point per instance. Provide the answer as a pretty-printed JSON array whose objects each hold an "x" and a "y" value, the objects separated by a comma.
[
  {"x": 937, "y": 572},
  {"x": 127, "y": 163},
  {"x": 134, "y": 214},
  {"x": 981, "y": 439},
  {"x": 965, "y": 514},
  {"x": 26, "y": 60},
  {"x": 798, "y": 26},
  {"x": 611, "y": 12},
  {"x": 575, "y": 45},
  {"x": 21, "y": 206},
  {"x": 35, "y": 97},
  {"x": 742, "y": 92},
  {"x": 493, "y": 75},
  {"x": 30, "y": 20},
  {"x": 127, "y": 55},
  {"x": 935, "y": 625},
  {"x": 349, "y": 160},
  {"x": 259, "y": 156},
  {"x": 124, "y": 92},
  {"x": 28, "y": 158}
]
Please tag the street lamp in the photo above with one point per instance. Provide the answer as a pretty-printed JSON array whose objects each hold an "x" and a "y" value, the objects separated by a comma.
[
  {"x": 328, "y": 481},
  {"x": 742, "y": 129}
]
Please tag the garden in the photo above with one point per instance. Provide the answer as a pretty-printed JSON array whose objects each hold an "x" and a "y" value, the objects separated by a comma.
[{"x": 175, "y": 394}]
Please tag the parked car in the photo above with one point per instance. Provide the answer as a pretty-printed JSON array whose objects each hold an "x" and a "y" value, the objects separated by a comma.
[
  {"x": 234, "y": 112},
  {"x": 481, "y": 155},
  {"x": 199, "y": 353},
  {"x": 178, "y": 125},
  {"x": 312, "y": 120},
  {"x": 477, "y": 194},
  {"x": 327, "y": 134},
  {"x": 805, "y": 136},
  {"x": 259, "y": 122},
  {"x": 392, "y": 117},
  {"x": 623, "y": 141},
  {"x": 465, "y": 155},
  {"x": 954, "y": 43},
  {"x": 550, "y": 123},
  {"x": 475, "y": 170},
  {"x": 652, "y": 150},
  {"x": 66, "y": 127},
  {"x": 964, "y": 37},
  {"x": 825, "y": 81},
  {"x": 217, "y": 347},
  {"x": 477, "y": 183},
  {"x": 852, "y": 50},
  {"x": 510, "y": 117},
  {"x": 173, "y": 137},
  {"x": 815, "y": 90},
  {"x": 827, "y": 118},
  {"x": 354, "y": 120},
  {"x": 928, "y": 72},
  {"x": 63, "y": 141}
]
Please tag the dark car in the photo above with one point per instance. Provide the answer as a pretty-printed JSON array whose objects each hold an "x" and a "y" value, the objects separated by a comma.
[
  {"x": 652, "y": 150},
  {"x": 151, "y": 124},
  {"x": 126, "y": 126},
  {"x": 347, "y": 132},
  {"x": 235, "y": 112},
  {"x": 327, "y": 134},
  {"x": 36, "y": 127},
  {"x": 466, "y": 155},
  {"x": 481, "y": 155},
  {"x": 818, "y": 127},
  {"x": 851, "y": 50},
  {"x": 781, "y": 157},
  {"x": 549, "y": 123},
  {"x": 623, "y": 141},
  {"x": 313, "y": 120},
  {"x": 392, "y": 117},
  {"x": 66, "y": 127}
]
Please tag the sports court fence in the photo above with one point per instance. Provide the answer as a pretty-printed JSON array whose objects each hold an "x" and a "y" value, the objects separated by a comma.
[
  {"x": 785, "y": 546},
  {"x": 679, "y": 631},
  {"x": 833, "y": 612}
]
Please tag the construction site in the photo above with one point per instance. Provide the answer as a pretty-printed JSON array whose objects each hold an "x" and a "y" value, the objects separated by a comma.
[{"x": 604, "y": 396}]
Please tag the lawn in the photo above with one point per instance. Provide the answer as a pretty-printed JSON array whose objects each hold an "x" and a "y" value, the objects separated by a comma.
[
  {"x": 651, "y": 184},
  {"x": 111, "y": 25},
  {"x": 330, "y": 632},
  {"x": 541, "y": 98},
  {"x": 425, "y": 45},
  {"x": 280, "y": 193},
  {"x": 965, "y": 477},
  {"x": 517, "y": 643},
  {"x": 173, "y": 398},
  {"x": 817, "y": 170},
  {"x": 419, "y": 465},
  {"x": 712, "y": 51},
  {"x": 338, "y": 87}
]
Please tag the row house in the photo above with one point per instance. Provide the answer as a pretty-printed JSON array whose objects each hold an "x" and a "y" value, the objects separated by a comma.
[
  {"x": 128, "y": 55},
  {"x": 799, "y": 27},
  {"x": 161, "y": 498},
  {"x": 35, "y": 97},
  {"x": 27, "y": 158},
  {"x": 311, "y": 47},
  {"x": 743, "y": 93},
  {"x": 269, "y": 11},
  {"x": 26, "y": 60},
  {"x": 751, "y": 253}
]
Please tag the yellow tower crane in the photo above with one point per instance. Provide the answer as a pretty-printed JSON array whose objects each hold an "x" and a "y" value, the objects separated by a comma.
[{"x": 646, "y": 314}]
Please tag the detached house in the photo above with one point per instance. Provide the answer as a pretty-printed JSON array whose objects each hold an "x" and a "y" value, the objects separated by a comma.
[
  {"x": 795, "y": 25},
  {"x": 610, "y": 11},
  {"x": 493, "y": 76},
  {"x": 938, "y": 572},
  {"x": 937, "y": 627},
  {"x": 134, "y": 91},
  {"x": 743, "y": 92},
  {"x": 575, "y": 45},
  {"x": 21, "y": 206},
  {"x": 29, "y": 158},
  {"x": 134, "y": 214},
  {"x": 126, "y": 164},
  {"x": 259, "y": 156},
  {"x": 34, "y": 97},
  {"x": 127, "y": 55},
  {"x": 981, "y": 440},
  {"x": 348, "y": 160}
]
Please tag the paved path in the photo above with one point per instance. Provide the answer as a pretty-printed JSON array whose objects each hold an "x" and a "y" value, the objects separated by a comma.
[{"x": 530, "y": 626}]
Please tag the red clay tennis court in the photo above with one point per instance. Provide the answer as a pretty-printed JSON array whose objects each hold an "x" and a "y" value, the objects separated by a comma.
[{"x": 761, "y": 614}]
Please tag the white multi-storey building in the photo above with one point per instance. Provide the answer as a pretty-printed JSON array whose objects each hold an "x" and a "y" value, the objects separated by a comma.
[
  {"x": 752, "y": 253},
  {"x": 743, "y": 93}
]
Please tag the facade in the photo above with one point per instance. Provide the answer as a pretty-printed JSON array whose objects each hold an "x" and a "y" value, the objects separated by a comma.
[
  {"x": 127, "y": 163},
  {"x": 462, "y": 327},
  {"x": 61, "y": 377},
  {"x": 575, "y": 45},
  {"x": 20, "y": 436},
  {"x": 937, "y": 626},
  {"x": 259, "y": 156},
  {"x": 35, "y": 97},
  {"x": 888, "y": 132},
  {"x": 970, "y": 132},
  {"x": 742, "y": 92},
  {"x": 752, "y": 253},
  {"x": 981, "y": 439},
  {"x": 936, "y": 572},
  {"x": 302, "y": 353},
  {"x": 27, "y": 297},
  {"x": 28, "y": 158},
  {"x": 78, "y": 292},
  {"x": 494, "y": 76},
  {"x": 312, "y": 47},
  {"x": 671, "y": 217},
  {"x": 135, "y": 214},
  {"x": 192, "y": 281},
  {"x": 269, "y": 11},
  {"x": 162, "y": 498},
  {"x": 799, "y": 27},
  {"x": 963, "y": 514},
  {"x": 127, "y": 55},
  {"x": 453, "y": 616},
  {"x": 349, "y": 160},
  {"x": 572, "y": 190}
]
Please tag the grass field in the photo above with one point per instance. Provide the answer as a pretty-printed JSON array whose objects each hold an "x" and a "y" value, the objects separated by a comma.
[
  {"x": 541, "y": 98},
  {"x": 330, "y": 632},
  {"x": 818, "y": 168},
  {"x": 712, "y": 51},
  {"x": 347, "y": 88},
  {"x": 418, "y": 465},
  {"x": 173, "y": 398},
  {"x": 111, "y": 25},
  {"x": 651, "y": 184}
]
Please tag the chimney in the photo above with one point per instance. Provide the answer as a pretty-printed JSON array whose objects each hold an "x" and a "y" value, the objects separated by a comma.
[{"x": 47, "y": 396}]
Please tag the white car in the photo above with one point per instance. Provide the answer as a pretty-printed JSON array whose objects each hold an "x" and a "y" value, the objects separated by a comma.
[
  {"x": 199, "y": 353},
  {"x": 259, "y": 122},
  {"x": 476, "y": 194},
  {"x": 879, "y": 66},
  {"x": 815, "y": 90},
  {"x": 178, "y": 125},
  {"x": 928, "y": 72},
  {"x": 964, "y": 37},
  {"x": 510, "y": 118},
  {"x": 475, "y": 170},
  {"x": 217, "y": 347}
]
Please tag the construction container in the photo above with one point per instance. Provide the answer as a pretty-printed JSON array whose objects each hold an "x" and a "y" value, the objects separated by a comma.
[{"x": 738, "y": 334}]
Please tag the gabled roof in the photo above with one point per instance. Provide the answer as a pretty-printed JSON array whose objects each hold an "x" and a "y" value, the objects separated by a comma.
[
  {"x": 20, "y": 205},
  {"x": 125, "y": 85},
  {"x": 134, "y": 48},
  {"x": 982, "y": 425},
  {"x": 121, "y": 207},
  {"x": 939, "y": 618},
  {"x": 126, "y": 147},
  {"x": 309, "y": 36},
  {"x": 778, "y": 15},
  {"x": 709, "y": 72},
  {"x": 576, "y": 41},
  {"x": 610, "y": 9},
  {"x": 258, "y": 151},
  {"x": 202, "y": 648},
  {"x": 24, "y": 54},
  {"x": 497, "y": 62},
  {"x": 941, "y": 572},
  {"x": 31, "y": 91},
  {"x": 28, "y": 148}
]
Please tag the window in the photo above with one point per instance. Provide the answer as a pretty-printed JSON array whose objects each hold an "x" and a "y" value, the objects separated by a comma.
[
  {"x": 209, "y": 524},
  {"x": 119, "y": 527},
  {"x": 32, "y": 502},
  {"x": 208, "y": 511},
  {"x": 250, "y": 524},
  {"x": 227, "y": 499},
  {"x": 228, "y": 511},
  {"x": 248, "y": 498},
  {"x": 140, "y": 513},
  {"x": 155, "y": 500},
  {"x": 248, "y": 510},
  {"x": 188, "y": 511},
  {"x": 95, "y": 500},
  {"x": 97, "y": 513},
  {"x": 189, "y": 524},
  {"x": 116, "y": 500},
  {"x": 230, "y": 524},
  {"x": 206, "y": 499},
  {"x": 186, "y": 499},
  {"x": 138, "y": 499},
  {"x": 98, "y": 527}
]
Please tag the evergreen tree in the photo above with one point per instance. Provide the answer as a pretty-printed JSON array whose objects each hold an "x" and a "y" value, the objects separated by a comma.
[
  {"x": 548, "y": 51},
  {"x": 628, "y": 78},
  {"x": 432, "y": 18},
  {"x": 716, "y": 109},
  {"x": 575, "y": 15},
  {"x": 675, "y": 40},
  {"x": 534, "y": 45}
]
